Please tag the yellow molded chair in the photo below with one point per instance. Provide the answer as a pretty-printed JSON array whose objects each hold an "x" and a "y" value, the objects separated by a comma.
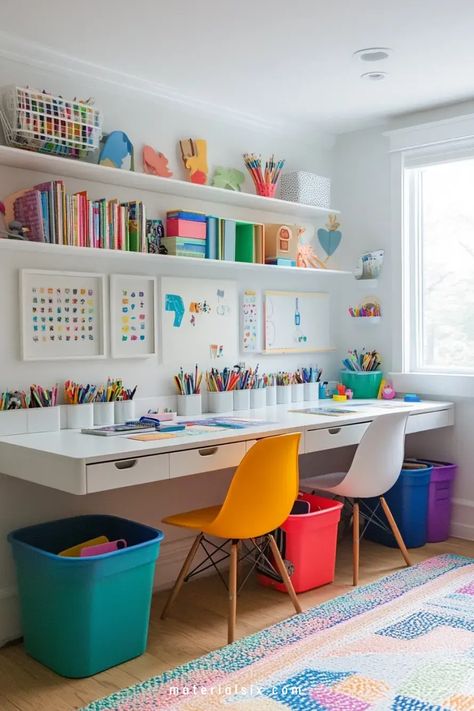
[{"x": 259, "y": 499}]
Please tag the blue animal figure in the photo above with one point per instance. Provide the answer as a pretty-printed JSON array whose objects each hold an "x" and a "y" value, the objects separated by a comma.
[{"x": 116, "y": 147}]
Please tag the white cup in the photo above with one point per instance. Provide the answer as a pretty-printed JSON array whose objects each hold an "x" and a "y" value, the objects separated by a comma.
[
  {"x": 189, "y": 404},
  {"x": 271, "y": 395},
  {"x": 297, "y": 392},
  {"x": 43, "y": 419},
  {"x": 13, "y": 422},
  {"x": 311, "y": 392},
  {"x": 241, "y": 399},
  {"x": 222, "y": 401},
  {"x": 78, "y": 416},
  {"x": 124, "y": 411},
  {"x": 258, "y": 398},
  {"x": 283, "y": 394},
  {"x": 104, "y": 413}
]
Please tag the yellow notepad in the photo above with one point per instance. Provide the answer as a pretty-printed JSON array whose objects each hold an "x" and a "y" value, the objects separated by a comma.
[{"x": 149, "y": 437}]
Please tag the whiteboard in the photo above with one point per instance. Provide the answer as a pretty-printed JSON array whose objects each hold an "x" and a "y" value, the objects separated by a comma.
[
  {"x": 297, "y": 322},
  {"x": 200, "y": 321}
]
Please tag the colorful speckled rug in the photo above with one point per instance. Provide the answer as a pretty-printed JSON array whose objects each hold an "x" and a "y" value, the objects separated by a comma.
[{"x": 405, "y": 642}]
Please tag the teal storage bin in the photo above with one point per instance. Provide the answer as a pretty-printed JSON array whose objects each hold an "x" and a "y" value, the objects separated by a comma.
[
  {"x": 83, "y": 615},
  {"x": 363, "y": 385}
]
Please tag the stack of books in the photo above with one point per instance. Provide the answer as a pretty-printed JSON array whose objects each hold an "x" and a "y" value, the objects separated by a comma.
[
  {"x": 54, "y": 216},
  {"x": 235, "y": 240},
  {"x": 186, "y": 234}
]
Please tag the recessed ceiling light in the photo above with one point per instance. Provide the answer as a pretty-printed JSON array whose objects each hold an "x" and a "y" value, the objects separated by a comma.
[
  {"x": 373, "y": 54},
  {"x": 374, "y": 76}
]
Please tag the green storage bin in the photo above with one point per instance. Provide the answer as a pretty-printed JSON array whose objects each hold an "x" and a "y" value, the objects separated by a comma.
[
  {"x": 364, "y": 385},
  {"x": 83, "y": 615}
]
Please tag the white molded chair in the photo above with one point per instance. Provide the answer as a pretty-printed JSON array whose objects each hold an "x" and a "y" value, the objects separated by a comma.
[{"x": 374, "y": 470}]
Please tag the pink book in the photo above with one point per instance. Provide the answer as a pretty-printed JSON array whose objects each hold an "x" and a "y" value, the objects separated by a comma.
[
  {"x": 27, "y": 210},
  {"x": 185, "y": 228}
]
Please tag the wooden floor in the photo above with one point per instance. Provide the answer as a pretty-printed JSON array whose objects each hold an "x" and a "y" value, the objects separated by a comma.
[{"x": 197, "y": 624}]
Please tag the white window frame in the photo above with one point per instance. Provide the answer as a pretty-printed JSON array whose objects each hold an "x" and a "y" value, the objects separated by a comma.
[{"x": 432, "y": 142}]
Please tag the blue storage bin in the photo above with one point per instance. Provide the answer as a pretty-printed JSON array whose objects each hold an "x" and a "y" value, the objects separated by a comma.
[
  {"x": 408, "y": 502},
  {"x": 83, "y": 615}
]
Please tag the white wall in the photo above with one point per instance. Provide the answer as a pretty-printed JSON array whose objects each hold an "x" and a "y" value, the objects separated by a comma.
[
  {"x": 161, "y": 124},
  {"x": 363, "y": 193}
]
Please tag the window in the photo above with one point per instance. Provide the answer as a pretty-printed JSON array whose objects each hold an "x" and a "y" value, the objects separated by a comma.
[{"x": 439, "y": 262}]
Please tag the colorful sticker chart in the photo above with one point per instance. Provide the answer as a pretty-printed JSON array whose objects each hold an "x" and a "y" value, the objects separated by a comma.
[
  {"x": 132, "y": 316},
  {"x": 249, "y": 322},
  {"x": 62, "y": 315}
]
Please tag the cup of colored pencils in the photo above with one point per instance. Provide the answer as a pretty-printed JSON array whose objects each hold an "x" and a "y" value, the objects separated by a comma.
[
  {"x": 13, "y": 400},
  {"x": 220, "y": 386},
  {"x": 269, "y": 380},
  {"x": 311, "y": 379},
  {"x": 266, "y": 180},
  {"x": 189, "y": 392},
  {"x": 79, "y": 405},
  {"x": 43, "y": 397},
  {"x": 283, "y": 388},
  {"x": 361, "y": 373}
]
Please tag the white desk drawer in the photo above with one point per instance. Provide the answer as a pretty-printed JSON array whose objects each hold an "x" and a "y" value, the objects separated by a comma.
[
  {"x": 429, "y": 421},
  {"x": 127, "y": 472},
  {"x": 206, "y": 459},
  {"x": 332, "y": 437}
]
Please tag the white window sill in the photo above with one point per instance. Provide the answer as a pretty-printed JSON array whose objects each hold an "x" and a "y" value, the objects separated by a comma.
[{"x": 444, "y": 384}]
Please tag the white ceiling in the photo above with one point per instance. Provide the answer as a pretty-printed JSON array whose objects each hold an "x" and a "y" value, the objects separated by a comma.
[{"x": 284, "y": 60}]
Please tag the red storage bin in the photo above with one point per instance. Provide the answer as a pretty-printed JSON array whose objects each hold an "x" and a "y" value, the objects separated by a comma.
[{"x": 308, "y": 545}]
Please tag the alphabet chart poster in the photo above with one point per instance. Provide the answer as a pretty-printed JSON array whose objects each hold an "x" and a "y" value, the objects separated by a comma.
[
  {"x": 200, "y": 320},
  {"x": 62, "y": 315},
  {"x": 132, "y": 316}
]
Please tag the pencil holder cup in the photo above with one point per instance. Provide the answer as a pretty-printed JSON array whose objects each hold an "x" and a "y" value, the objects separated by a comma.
[
  {"x": 267, "y": 190},
  {"x": 221, "y": 401},
  {"x": 258, "y": 398},
  {"x": 283, "y": 394},
  {"x": 104, "y": 413},
  {"x": 78, "y": 416},
  {"x": 13, "y": 422},
  {"x": 189, "y": 404},
  {"x": 297, "y": 392},
  {"x": 44, "y": 419},
  {"x": 311, "y": 391},
  {"x": 364, "y": 385},
  {"x": 124, "y": 411},
  {"x": 271, "y": 395},
  {"x": 241, "y": 399}
]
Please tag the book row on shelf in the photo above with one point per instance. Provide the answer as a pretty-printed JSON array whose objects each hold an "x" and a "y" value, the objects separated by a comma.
[{"x": 51, "y": 215}]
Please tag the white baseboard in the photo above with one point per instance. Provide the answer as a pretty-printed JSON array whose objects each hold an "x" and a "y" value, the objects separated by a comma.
[
  {"x": 462, "y": 523},
  {"x": 170, "y": 560}
]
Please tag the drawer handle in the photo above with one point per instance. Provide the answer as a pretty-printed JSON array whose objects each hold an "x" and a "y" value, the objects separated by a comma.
[
  {"x": 207, "y": 452},
  {"x": 334, "y": 430},
  {"x": 125, "y": 464}
]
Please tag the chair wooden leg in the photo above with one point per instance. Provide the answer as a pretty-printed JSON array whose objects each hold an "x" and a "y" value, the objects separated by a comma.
[
  {"x": 234, "y": 558},
  {"x": 395, "y": 531},
  {"x": 355, "y": 543},
  {"x": 284, "y": 573},
  {"x": 182, "y": 574}
]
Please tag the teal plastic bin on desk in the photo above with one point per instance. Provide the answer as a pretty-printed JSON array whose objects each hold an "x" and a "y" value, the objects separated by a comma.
[
  {"x": 364, "y": 385},
  {"x": 83, "y": 615}
]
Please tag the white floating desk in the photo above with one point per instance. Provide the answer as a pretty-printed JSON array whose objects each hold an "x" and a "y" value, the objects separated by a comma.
[{"x": 83, "y": 464}]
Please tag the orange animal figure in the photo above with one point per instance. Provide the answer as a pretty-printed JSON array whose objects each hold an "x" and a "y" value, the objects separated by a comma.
[
  {"x": 155, "y": 163},
  {"x": 194, "y": 155}
]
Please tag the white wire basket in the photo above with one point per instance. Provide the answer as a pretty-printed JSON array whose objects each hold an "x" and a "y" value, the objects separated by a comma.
[{"x": 41, "y": 122}]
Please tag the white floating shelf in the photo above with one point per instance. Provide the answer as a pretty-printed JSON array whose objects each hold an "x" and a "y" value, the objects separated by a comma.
[
  {"x": 67, "y": 167},
  {"x": 161, "y": 260}
]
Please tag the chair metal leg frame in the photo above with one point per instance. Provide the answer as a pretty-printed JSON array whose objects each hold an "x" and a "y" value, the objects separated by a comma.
[{"x": 205, "y": 565}]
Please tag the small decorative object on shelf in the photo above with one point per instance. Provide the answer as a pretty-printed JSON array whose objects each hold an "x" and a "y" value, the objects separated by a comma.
[
  {"x": 330, "y": 238},
  {"x": 194, "y": 157},
  {"x": 307, "y": 258},
  {"x": 117, "y": 151},
  {"x": 281, "y": 242},
  {"x": 388, "y": 392},
  {"x": 265, "y": 182},
  {"x": 228, "y": 178},
  {"x": 307, "y": 188},
  {"x": 154, "y": 234},
  {"x": 155, "y": 163},
  {"x": 39, "y": 121},
  {"x": 370, "y": 265},
  {"x": 368, "y": 308}
]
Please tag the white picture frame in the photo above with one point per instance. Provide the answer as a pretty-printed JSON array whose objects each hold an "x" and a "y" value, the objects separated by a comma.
[
  {"x": 62, "y": 315},
  {"x": 133, "y": 327},
  {"x": 297, "y": 322}
]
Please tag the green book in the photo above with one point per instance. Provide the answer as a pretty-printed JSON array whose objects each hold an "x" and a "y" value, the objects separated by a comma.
[{"x": 244, "y": 242}]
